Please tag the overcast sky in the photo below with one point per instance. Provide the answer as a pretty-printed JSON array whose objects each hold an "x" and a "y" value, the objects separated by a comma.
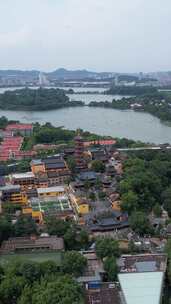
[{"x": 100, "y": 35}]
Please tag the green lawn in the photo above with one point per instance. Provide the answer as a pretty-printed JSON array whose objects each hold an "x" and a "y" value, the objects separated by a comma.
[{"x": 34, "y": 256}]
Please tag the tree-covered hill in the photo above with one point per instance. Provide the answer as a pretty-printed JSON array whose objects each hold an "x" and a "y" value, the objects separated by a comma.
[
  {"x": 36, "y": 100},
  {"x": 132, "y": 90}
]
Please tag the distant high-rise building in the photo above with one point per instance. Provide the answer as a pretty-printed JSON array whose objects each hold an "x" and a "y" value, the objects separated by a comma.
[
  {"x": 116, "y": 80},
  {"x": 141, "y": 76},
  {"x": 43, "y": 81}
]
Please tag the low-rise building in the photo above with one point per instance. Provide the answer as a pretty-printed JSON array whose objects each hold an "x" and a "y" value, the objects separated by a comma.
[
  {"x": 37, "y": 166},
  {"x": 13, "y": 194},
  {"x": 22, "y": 129},
  {"x": 55, "y": 168},
  {"x": 98, "y": 154},
  {"x": 93, "y": 274},
  {"x": 25, "y": 180},
  {"x": 141, "y": 278},
  {"x": 103, "y": 293},
  {"x": 29, "y": 244},
  {"x": 106, "y": 222},
  {"x": 59, "y": 207},
  {"x": 51, "y": 191},
  {"x": 89, "y": 176},
  {"x": 80, "y": 204}
]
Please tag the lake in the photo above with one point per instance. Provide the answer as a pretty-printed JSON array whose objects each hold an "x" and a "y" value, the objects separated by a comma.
[{"x": 116, "y": 123}]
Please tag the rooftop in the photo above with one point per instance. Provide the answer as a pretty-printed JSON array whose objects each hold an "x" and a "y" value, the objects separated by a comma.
[
  {"x": 20, "y": 243},
  {"x": 141, "y": 288},
  {"x": 55, "y": 165},
  {"x": 19, "y": 127},
  {"x": 49, "y": 204},
  {"x": 53, "y": 159},
  {"x": 36, "y": 162},
  {"x": 90, "y": 175},
  {"x": 143, "y": 263},
  {"x": 10, "y": 187},
  {"x": 22, "y": 175},
  {"x": 106, "y": 293},
  {"x": 51, "y": 189}
]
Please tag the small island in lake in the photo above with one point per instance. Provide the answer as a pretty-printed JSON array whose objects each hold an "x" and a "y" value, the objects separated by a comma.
[
  {"x": 157, "y": 104},
  {"x": 36, "y": 100}
]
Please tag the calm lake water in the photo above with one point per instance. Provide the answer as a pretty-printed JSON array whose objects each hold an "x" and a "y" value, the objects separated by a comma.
[{"x": 116, "y": 123}]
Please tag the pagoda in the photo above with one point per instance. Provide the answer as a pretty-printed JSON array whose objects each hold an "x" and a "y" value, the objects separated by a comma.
[{"x": 79, "y": 153}]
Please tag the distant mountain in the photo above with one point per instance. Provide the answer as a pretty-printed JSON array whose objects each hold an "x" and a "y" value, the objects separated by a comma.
[
  {"x": 59, "y": 74},
  {"x": 18, "y": 73},
  {"x": 64, "y": 74}
]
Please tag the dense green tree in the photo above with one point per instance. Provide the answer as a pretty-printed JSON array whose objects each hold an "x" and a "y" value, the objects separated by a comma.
[
  {"x": 110, "y": 266},
  {"x": 24, "y": 165},
  {"x": 56, "y": 226},
  {"x": 73, "y": 263},
  {"x": 3, "y": 122},
  {"x": 166, "y": 197},
  {"x": 98, "y": 166},
  {"x": 142, "y": 184},
  {"x": 70, "y": 239},
  {"x": 26, "y": 296},
  {"x": 76, "y": 239},
  {"x": 1, "y": 273},
  {"x": 63, "y": 290},
  {"x": 49, "y": 268},
  {"x": 9, "y": 208},
  {"x": 11, "y": 289},
  {"x": 157, "y": 210},
  {"x": 132, "y": 90},
  {"x": 129, "y": 201},
  {"x": 25, "y": 226},
  {"x": 98, "y": 183},
  {"x": 92, "y": 196},
  {"x": 72, "y": 164},
  {"x": 30, "y": 271},
  {"x": 36, "y": 100},
  {"x": 139, "y": 223},
  {"x": 6, "y": 229},
  {"x": 87, "y": 185},
  {"x": 107, "y": 247},
  {"x": 82, "y": 239},
  {"x": 168, "y": 248}
]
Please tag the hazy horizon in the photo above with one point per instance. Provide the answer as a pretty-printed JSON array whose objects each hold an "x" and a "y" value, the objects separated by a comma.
[
  {"x": 111, "y": 35},
  {"x": 82, "y": 69}
]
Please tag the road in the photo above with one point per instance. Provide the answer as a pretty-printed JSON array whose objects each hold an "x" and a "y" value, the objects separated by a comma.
[{"x": 144, "y": 148}]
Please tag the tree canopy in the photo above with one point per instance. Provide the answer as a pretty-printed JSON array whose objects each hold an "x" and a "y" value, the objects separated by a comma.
[
  {"x": 110, "y": 266},
  {"x": 74, "y": 263},
  {"x": 98, "y": 166},
  {"x": 25, "y": 282},
  {"x": 36, "y": 100},
  {"x": 107, "y": 247}
]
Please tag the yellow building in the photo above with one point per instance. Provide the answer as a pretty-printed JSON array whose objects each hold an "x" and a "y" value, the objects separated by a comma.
[
  {"x": 37, "y": 166},
  {"x": 13, "y": 194},
  {"x": 51, "y": 191},
  {"x": 116, "y": 205},
  {"x": 36, "y": 215},
  {"x": 20, "y": 198},
  {"x": 80, "y": 204}
]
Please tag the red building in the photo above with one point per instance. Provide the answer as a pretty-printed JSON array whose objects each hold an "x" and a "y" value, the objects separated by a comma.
[
  {"x": 22, "y": 129},
  {"x": 11, "y": 149}
]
